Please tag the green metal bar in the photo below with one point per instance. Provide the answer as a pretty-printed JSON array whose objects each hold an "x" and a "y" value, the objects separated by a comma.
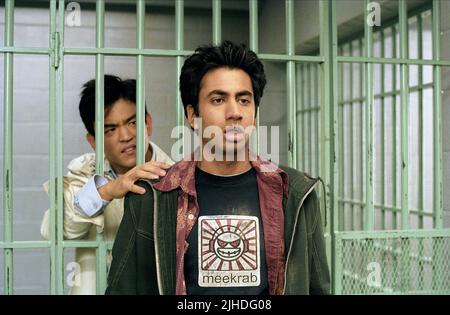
[
  {"x": 341, "y": 147},
  {"x": 310, "y": 138},
  {"x": 361, "y": 180},
  {"x": 421, "y": 156},
  {"x": 383, "y": 150},
  {"x": 99, "y": 131},
  {"x": 217, "y": 21},
  {"x": 60, "y": 154},
  {"x": 352, "y": 224},
  {"x": 48, "y": 244},
  {"x": 253, "y": 16},
  {"x": 401, "y": 61},
  {"x": 296, "y": 58},
  {"x": 174, "y": 53},
  {"x": 291, "y": 95},
  {"x": 127, "y": 52},
  {"x": 25, "y": 244},
  {"x": 329, "y": 158},
  {"x": 8, "y": 40},
  {"x": 317, "y": 109},
  {"x": 140, "y": 84},
  {"x": 420, "y": 103},
  {"x": 387, "y": 208},
  {"x": 301, "y": 104},
  {"x": 304, "y": 96},
  {"x": 312, "y": 113},
  {"x": 338, "y": 266},
  {"x": 404, "y": 98},
  {"x": 25, "y": 50},
  {"x": 52, "y": 147},
  {"x": 253, "y": 11},
  {"x": 437, "y": 120},
  {"x": 369, "y": 214},
  {"x": 356, "y": 235},
  {"x": 394, "y": 127},
  {"x": 394, "y": 93},
  {"x": 179, "y": 44},
  {"x": 99, "y": 86}
]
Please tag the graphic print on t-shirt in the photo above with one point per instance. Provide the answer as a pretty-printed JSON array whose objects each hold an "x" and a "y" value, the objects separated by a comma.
[{"x": 228, "y": 251}]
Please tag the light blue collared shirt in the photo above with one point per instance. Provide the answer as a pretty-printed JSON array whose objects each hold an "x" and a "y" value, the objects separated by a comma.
[{"x": 88, "y": 201}]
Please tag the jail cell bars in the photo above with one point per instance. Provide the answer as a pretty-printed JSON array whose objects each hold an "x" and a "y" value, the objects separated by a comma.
[
  {"x": 380, "y": 172},
  {"x": 56, "y": 52},
  {"x": 387, "y": 131}
]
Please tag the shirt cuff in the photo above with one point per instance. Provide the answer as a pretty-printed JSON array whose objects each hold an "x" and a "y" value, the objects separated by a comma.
[{"x": 87, "y": 200}]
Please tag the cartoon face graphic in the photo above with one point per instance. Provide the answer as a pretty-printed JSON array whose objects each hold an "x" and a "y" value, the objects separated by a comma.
[
  {"x": 228, "y": 246},
  {"x": 229, "y": 243}
]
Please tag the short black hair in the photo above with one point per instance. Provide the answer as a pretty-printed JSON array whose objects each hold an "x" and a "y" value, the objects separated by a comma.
[
  {"x": 210, "y": 57},
  {"x": 115, "y": 89}
]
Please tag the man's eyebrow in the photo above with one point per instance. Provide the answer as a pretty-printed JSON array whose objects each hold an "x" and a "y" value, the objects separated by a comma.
[
  {"x": 115, "y": 125},
  {"x": 244, "y": 93},
  {"x": 217, "y": 92},
  {"x": 223, "y": 93}
]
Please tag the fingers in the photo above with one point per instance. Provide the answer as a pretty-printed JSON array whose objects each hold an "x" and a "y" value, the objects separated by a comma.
[
  {"x": 144, "y": 174},
  {"x": 138, "y": 190},
  {"x": 158, "y": 164},
  {"x": 156, "y": 168}
]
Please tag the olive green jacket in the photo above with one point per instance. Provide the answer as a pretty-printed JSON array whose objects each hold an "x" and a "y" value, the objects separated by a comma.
[{"x": 144, "y": 251}]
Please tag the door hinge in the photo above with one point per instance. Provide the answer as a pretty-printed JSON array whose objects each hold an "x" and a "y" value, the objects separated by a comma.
[{"x": 56, "y": 49}]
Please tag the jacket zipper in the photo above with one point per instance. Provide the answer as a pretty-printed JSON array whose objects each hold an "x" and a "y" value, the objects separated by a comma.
[
  {"x": 293, "y": 233},
  {"x": 155, "y": 231}
]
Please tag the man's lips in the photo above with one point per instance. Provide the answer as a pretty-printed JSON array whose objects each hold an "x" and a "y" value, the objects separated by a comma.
[
  {"x": 234, "y": 133},
  {"x": 129, "y": 149}
]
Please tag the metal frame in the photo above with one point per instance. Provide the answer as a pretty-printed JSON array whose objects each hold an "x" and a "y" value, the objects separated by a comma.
[{"x": 326, "y": 68}]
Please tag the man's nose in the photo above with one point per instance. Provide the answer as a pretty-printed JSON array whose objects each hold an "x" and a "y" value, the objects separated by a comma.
[
  {"x": 125, "y": 133},
  {"x": 233, "y": 111}
]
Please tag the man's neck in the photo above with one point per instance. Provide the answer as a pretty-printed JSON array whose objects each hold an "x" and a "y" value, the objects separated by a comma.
[{"x": 225, "y": 168}]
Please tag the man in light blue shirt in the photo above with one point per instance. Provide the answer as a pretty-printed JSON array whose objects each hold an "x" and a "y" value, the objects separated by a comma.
[{"x": 94, "y": 202}]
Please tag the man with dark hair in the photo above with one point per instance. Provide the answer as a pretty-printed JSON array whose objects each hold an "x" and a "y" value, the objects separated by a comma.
[
  {"x": 219, "y": 224},
  {"x": 94, "y": 202}
]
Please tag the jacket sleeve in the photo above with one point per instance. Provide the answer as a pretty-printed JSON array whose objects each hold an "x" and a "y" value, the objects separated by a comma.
[
  {"x": 319, "y": 274},
  {"x": 76, "y": 225}
]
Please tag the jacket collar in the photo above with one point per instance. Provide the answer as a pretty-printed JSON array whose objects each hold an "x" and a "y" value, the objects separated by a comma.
[{"x": 182, "y": 175}]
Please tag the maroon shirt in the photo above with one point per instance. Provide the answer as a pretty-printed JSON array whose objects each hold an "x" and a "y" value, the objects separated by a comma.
[{"x": 271, "y": 187}]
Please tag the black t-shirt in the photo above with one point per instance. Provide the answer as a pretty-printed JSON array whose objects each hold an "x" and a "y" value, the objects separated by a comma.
[{"x": 226, "y": 253}]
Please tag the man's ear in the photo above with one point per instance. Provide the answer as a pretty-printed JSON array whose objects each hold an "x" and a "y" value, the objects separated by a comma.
[
  {"x": 191, "y": 116},
  {"x": 91, "y": 139},
  {"x": 148, "y": 124}
]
